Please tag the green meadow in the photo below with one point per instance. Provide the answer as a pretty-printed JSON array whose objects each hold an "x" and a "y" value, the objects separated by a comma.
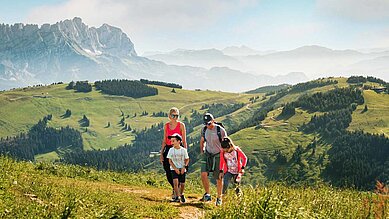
[{"x": 21, "y": 108}]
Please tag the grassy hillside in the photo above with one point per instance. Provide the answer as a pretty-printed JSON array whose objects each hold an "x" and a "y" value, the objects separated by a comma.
[
  {"x": 51, "y": 190},
  {"x": 20, "y": 109},
  {"x": 264, "y": 142},
  {"x": 277, "y": 146},
  {"x": 277, "y": 133},
  {"x": 376, "y": 118}
]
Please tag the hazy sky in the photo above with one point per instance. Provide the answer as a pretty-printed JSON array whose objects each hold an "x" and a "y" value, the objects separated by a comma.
[{"x": 196, "y": 24}]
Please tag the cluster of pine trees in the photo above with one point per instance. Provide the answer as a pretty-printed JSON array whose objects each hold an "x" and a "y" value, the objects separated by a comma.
[
  {"x": 255, "y": 99},
  {"x": 135, "y": 89},
  {"x": 41, "y": 139},
  {"x": 358, "y": 159},
  {"x": 125, "y": 158},
  {"x": 338, "y": 98},
  {"x": 144, "y": 113},
  {"x": 122, "y": 122},
  {"x": 329, "y": 124},
  {"x": 376, "y": 80},
  {"x": 288, "y": 110},
  {"x": 356, "y": 79},
  {"x": 300, "y": 87},
  {"x": 160, "y": 83},
  {"x": 311, "y": 84},
  {"x": 300, "y": 169},
  {"x": 80, "y": 86},
  {"x": 268, "y": 89},
  {"x": 362, "y": 79},
  {"x": 159, "y": 114},
  {"x": 338, "y": 105}
]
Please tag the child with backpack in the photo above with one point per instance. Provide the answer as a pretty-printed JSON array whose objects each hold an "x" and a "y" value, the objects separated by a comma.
[
  {"x": 232, "y": 163},
  {"x": 179, "y": 161}
]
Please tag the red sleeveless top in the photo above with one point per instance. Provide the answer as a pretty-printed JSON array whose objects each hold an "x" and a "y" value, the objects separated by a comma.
[{"x": 170, "y": 132}]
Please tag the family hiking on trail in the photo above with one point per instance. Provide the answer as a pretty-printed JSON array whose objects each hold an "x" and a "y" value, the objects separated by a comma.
[{"x": 219, "y": 157}]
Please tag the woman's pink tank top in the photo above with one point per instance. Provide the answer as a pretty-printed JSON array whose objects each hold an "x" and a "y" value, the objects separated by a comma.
[{"x": 170, "y": 132}]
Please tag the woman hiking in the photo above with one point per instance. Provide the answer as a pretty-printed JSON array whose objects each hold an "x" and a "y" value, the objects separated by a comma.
[{"x": 174, "y": 126}]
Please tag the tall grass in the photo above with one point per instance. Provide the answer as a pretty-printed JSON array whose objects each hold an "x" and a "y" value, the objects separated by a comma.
[
  {"x": 278, "y": 201},
  {"x": 49, "y": 190}
]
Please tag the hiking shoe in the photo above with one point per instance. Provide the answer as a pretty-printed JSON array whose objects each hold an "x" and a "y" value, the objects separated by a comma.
[
  {"x": 206, "y": 198},
  {"x": 183, "y": 200},
  {"x": 218, "y": 201},
  {"x": 176, "y": 199}
]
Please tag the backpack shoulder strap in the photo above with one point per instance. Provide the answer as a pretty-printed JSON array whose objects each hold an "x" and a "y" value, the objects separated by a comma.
[
  {"x": 219, "y": 133},
  {"x": 203, "y": 132}
]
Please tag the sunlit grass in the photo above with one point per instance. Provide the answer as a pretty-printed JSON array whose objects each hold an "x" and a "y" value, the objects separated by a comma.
[
  {"x": 278, "y": 201},
  {"x": 376, "y": 118}
]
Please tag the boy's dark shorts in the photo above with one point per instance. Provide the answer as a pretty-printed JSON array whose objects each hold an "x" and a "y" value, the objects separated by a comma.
[{"x": 180, "y": 177}]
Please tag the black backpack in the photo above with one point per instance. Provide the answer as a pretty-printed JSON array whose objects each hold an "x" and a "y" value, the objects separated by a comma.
[{"x": 218, "y": 129}]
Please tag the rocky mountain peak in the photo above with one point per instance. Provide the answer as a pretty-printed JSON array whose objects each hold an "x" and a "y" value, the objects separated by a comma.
[
  {"x": 68, "y": 49},
  {"x": 94, "y": 41}
]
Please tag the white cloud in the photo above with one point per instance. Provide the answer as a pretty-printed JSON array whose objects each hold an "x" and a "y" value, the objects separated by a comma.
[
  {"x": 140, "y": 15},
  {"x": 143, "y": 19},
  {"x": 357, "y": 10}
]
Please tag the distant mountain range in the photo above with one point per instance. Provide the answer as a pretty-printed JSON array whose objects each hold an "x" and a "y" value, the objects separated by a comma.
[
  {"x": 70, "y": 50},
  {"x": 314, "y": 61}
]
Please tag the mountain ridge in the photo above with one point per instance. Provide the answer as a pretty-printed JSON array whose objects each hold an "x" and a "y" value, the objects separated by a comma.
[
  {"x": 71, "y": 50},
  {"x": 314, "y": 60}
]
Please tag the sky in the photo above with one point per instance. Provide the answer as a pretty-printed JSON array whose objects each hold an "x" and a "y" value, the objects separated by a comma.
[{"x": 165, "y": 25}]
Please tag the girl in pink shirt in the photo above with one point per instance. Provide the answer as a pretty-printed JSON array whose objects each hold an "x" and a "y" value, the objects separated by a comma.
[{"x": 232, "y": 163}]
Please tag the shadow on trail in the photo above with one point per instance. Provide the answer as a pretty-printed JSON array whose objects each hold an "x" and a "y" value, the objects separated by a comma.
[
  {"x": 189, "y": 203},
  {"x": 196, "y": 204}
]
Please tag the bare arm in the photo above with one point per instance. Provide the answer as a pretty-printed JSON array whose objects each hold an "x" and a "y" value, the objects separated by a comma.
[
  {"x": 183, "y": 131},
  {"x": 183, "y": 170},
  {"x": 244, "y": 160},
  {"x": 174, "y": 167},
  {"x": 202, "y": 145},
  {"x": 187, "y": 162},
  {"x": 163, "y": 144}
]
